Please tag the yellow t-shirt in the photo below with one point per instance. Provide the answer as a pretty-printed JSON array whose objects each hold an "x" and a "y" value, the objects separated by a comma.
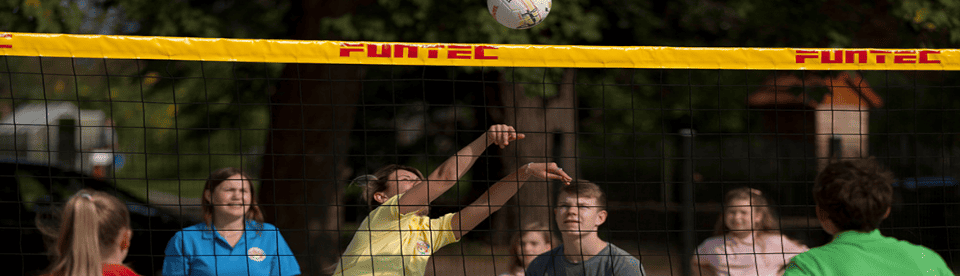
[{"x": 388, "y": 243}]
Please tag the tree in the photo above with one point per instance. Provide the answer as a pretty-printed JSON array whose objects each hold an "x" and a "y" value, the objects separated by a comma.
[
  {"x": 311, "y": 118},
  {"x": 633, "y": 100}
]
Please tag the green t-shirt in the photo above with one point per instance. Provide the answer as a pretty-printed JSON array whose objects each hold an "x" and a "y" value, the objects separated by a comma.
[{"x": 858, "y": 253}]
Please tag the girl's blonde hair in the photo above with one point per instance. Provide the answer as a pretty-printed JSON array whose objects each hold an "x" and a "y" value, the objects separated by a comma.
[
  {"x": 377, "y": 182},
  {"x": 515, "y": 260},
  {"x": 89, "y": 226},
  {"x": 758, "y": 202}
]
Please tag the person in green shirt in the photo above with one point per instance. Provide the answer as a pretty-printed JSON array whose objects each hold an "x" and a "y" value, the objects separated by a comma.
[{"x": 852, "y": 198}]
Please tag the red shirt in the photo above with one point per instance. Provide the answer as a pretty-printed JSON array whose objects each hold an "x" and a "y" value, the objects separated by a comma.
[
  {"x": 114, "y": 270},
  {"x": 117, "y": 270}
]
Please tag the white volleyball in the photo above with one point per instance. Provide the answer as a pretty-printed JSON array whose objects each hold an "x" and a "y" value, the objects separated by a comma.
[{"x": 519, "y": 14}]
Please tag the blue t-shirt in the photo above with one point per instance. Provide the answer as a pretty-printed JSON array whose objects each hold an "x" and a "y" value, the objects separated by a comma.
[{"x": 198, "y": 250}]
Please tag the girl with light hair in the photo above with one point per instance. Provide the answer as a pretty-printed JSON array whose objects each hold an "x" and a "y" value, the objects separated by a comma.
[
  {"x": 94, "y": 236},
  {"x": 747, "y": 240}
]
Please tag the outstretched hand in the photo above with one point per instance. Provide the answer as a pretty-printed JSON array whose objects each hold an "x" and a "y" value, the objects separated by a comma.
[
  {"x": 502, "y": 135},
  {"x": 546, "y": 171}
]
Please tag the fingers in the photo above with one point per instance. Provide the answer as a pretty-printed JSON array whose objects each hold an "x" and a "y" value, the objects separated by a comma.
[
  {"x": 503, "y": 134},
  {"x": 566, "y": 179},
  {"x": 550, "y": 171},
  {"x": 555, "y": 170}
]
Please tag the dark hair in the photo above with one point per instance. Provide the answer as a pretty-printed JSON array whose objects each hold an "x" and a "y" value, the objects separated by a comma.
[
  {"x": 758, "y": 202},
  {"x": 90, "y": 223},
  {"x": 218, "y": 177},
  {"x": 377, "y": 182},
  {"x": 854, "y": 194},
  {"x": 536, "y": 227},
  {"x": 586, "y": 189}
]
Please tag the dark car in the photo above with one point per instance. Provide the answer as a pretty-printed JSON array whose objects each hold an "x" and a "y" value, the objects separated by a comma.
[{"x": 32, "y": 194}]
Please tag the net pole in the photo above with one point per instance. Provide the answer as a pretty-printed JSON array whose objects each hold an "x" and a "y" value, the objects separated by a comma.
[{"x": 688, "y": 237}]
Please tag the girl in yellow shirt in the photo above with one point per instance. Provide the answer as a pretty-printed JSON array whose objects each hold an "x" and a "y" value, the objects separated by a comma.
[{"x": 398, "y": 239}]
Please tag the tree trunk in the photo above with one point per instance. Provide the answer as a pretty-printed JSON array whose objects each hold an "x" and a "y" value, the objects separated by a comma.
[
  {"x": 301, "y": 191},
  {"x": 550, "y": 128},
  {"x": 312, "y": 114}
]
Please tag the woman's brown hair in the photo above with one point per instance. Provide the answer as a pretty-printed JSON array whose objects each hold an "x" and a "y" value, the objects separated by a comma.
[
  {"x": 377, "y": 182},
  {"x": 758, "y": 202},
  {"x": 89, "y": 226},
  {"x": 218, "y": 177}
]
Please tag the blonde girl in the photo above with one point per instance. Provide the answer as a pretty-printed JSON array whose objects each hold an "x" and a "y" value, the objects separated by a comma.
[
  {"x": 93, "y": 238},
  {"x": 527, "y": 244},
  {"x": 397, "y": 239},
  {"x": 747, "y": 240}
]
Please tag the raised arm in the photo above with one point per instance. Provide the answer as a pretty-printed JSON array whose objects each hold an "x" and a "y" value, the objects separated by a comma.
[
  {"x": 447, "y": 174},
  {"x": 499, "y": 193}
]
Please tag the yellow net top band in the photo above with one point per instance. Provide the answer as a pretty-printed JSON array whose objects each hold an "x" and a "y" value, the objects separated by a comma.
[{"x": 487, "y": 55}]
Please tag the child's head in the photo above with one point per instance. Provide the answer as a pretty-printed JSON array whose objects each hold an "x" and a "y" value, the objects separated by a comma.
[
  {"x": 531, "y": 241},
  {"x": 93, "y": 225},
  {"x": 746, "y": 209},
  {"x": 581, "y": 207},
  {"x": 229, "y": 193},
  {"x": 853, "y": 195},
  {"x": 387, "y": 182}
]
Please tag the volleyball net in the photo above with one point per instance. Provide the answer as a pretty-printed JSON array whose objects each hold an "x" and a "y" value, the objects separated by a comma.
[{"x": 664, "y": 131}]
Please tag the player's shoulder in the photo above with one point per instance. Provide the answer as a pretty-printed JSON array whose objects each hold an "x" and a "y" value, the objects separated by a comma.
[
  {"x": 266, "y": 226},
  {"x": 829, "y": 250},
  {"x": 392, "y": 201},
  {"x": 806, "y": 263},
  {"x": 619, "y": 252},
  {"x": 193, "y": 230},
  {"x": 923, "y": 253},
  {"x": 623, "y": 257}
]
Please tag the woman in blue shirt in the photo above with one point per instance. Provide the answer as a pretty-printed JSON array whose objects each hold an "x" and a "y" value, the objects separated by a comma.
[{"x": 233, "y": 240}]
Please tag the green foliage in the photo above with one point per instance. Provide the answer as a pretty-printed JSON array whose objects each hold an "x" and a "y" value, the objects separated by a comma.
[
  {"x": 174, "y": 128},
  {"x": 934, "y": 22},
  {"x": 170, "y": 135},
  {"x": 39, "y": 16},
  {"x": 153, "y": 97}
]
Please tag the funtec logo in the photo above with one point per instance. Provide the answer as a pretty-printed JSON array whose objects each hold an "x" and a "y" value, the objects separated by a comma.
[
  {"x": 865, "y": 56},
  {"x": 393, "y": 50},
  {"x": 5, "y": 36}
]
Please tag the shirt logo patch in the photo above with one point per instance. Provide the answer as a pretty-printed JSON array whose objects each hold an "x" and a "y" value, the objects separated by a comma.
[
  {"x": 256, "y": 254},
  {"x": 793, "y": 265},
  {"x": 423, "y": 248}
]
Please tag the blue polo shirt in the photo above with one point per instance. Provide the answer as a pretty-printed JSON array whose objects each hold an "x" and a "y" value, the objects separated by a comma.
[{"x": 198, "y": 250}]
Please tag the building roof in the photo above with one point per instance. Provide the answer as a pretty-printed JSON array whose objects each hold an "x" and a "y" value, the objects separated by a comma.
[{"x": 844, "y": 90}]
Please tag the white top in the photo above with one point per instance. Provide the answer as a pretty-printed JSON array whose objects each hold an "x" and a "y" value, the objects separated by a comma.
[{"x": 730, "y": 256}]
